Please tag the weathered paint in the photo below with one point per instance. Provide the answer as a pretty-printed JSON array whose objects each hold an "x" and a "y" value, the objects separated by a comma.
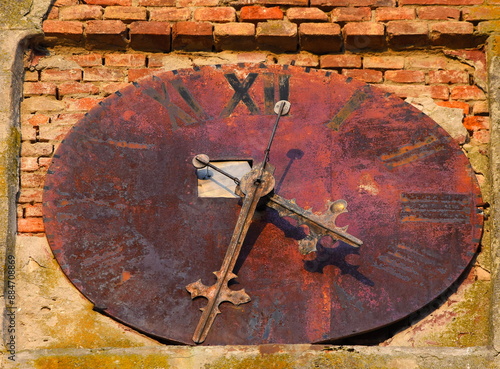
[{"x": 112, "y": 210}]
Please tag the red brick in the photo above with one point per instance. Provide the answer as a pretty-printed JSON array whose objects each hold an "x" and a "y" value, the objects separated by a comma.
[
  {"x": 87, "y": 60},
  {"x": 103, "y": 74},
  {"x": 365, "y": 75},
  {"x": 61, "y": 75},
  {"x": 255, "y": 14},
  {"x": 28, "y": 133},
  {"x": 478, "y": 13},
  {"x": 125, "y": 13},
  {"x": 192, "y": 36},
  {"x": 170, "y": 14},
  {"x": 150, "y": 36},
  {"x": 440, "y": 2},
  {"x": 108, "y": 34},
  {"x": 340, "y": 61},
  {"x": 384, "y": 62},
  {"x": 300, "y": 60},
  {"x": 136, "y": 74},
  {"x": 438, "y": 13},
  {"x": 320, "y": 38},
  {"x": 65, "y": 2},
  {"x": 426, "y": 62},
  {"x": 81, "y": 104},
  {"x": 456, "y": 105},
  {"x": 364, "y": 35},
  {"x": 287, "y": 2},
  {"x": 80, "y": 12},
  {"x": 480, "y": 107},
  {"x": 215, "y": 14},
  {"x": 157, "y": 2},
  {"x": 76, "y": 88},
  {"x": 34, "y": 210},
  {"x": 105, "y": 27},
  {"x": 53, "y": 132},
  {"x": 109, "y": 2},
  {"x": 488, "y": 27},
  {"x": 38, "y": 119},
  {"x": 30, "y": 195},
  {"x": 53, "y": 13},
  {"x": 44, "y": 162},
  {"x": 32, "y": 180},
  {"x": 252, "y": 57},
  {"x": 350, "y": 14},
  {"x": 125, "y": 60},
  {"x": 481, "y": 136},
  {"x": 191, "y": 3},
  {"x": 67, "y": 118},
  {"x": 436, "y": 92},
  {"x": 30, "y": 225},
  {"x": 235, "y": 36},
  {"x": 155, "y": 60},
  {"x": 279, "y": 36},
  {"x": 335, "y": 3},
  {"x": 36, "y": 149},
  {"x": 475, "y": 123},
  {"x": 31, "y": 76},
  {"x": 452, "y": 27},
  {"x": 112, "y": 87},
  {"x": 35, "y": 104},
  {"x": 448, "y": 76},
  {"x": 405, "y": 76},
  {"x": 390, "y": 14},
  {"x": 403, "y": 34},
  {"x": 71, "y": 30},
  {"x": 300, "y": 15},
  {"x": 467, "y": 93},
  {"x": 29, "y": 164},
  {"x": 39, "y": 88}
]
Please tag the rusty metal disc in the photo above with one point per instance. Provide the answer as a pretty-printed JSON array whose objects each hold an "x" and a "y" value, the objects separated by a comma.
[{"x": 125, "y": 222}]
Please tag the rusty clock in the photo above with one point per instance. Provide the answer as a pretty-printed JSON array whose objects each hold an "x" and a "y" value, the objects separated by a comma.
[{"x": 349, "y": 210}]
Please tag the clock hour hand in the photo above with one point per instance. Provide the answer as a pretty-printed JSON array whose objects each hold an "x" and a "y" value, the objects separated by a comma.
[
  {"x": 319, "y": 224},
  {"x": 254, "y": 185}
]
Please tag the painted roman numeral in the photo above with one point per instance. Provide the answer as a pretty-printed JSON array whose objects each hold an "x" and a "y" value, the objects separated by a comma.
[
  {"x": 435, "y": 207},
  {"x": 241, "y": 92},
  {"x": 353, "y": 104},
  {"x": 406, "y": 262},
  {"x": 411, "y": 152},
  {"x": 346, "y": 299},
  {"x": 176, "y": 114}
]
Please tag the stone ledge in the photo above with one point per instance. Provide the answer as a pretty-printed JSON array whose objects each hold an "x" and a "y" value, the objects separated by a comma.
[{"x": 265, "y": 356}]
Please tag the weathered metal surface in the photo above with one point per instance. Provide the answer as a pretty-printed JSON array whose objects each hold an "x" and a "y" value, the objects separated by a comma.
[{"x": 125, "y": 223}]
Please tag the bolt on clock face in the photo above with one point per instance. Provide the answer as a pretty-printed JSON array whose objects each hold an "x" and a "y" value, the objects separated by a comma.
[{"x": 125, "y": 219}]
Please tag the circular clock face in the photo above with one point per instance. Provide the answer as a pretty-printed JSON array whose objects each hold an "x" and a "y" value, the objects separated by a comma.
[{"x": 127, "y": 222}]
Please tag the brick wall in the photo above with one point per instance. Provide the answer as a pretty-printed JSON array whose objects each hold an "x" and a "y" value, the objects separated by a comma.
[{"x": 92, "y": 48}]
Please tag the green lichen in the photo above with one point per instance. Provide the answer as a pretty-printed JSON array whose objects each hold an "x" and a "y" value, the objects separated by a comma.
[
  {"x": 273, "y": 361},
  {"x": 103, "y": 361},
  {"x": 57, "y": 316},
  {"x": 470, "y": 326}
]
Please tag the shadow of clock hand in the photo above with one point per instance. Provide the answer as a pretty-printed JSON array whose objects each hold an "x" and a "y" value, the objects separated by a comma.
[
  {"x": 325, "y": 256},
  {"x": 336, "y": 256},
  {"x": 293, "y": 155}
]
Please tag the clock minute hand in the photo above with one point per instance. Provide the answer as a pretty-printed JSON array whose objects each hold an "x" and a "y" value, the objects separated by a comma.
[
  {"x": 254, "y": 185},
  {"x": 324, "y": 224},
  {"x": 279, "y": 203}
]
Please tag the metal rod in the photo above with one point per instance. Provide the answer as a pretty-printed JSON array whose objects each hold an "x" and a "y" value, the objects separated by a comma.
[{"x": 208, "y": 164}]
